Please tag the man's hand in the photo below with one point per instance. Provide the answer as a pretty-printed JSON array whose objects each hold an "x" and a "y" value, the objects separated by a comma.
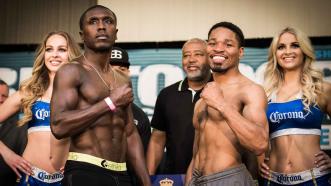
[
  {"x": 122, "y": 96},
  {"x": 212, "y": 94}
]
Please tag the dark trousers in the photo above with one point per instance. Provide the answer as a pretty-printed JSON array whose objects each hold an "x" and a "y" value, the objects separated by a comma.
[{"x": 81, "y": 174}]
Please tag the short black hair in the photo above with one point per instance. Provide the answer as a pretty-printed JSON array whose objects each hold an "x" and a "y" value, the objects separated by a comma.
[
  {"x": 2, "y": 82},
  {"x": 234, "y": 28},
  {"x": 81, "y": 19}
]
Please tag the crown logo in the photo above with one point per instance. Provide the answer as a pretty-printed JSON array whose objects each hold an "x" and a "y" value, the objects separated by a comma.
[{"x": 166, "y": 182}]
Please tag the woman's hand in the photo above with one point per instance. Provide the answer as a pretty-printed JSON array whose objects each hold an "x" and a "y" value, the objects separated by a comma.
[
  {"x": 264, "y": 169},
  {"x": 16, "y": 162},
  {"x": 322, "y": 160}
]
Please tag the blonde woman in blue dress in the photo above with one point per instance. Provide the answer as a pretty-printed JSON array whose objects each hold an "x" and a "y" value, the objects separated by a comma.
[
  {"x": 33, "y": 98},
  {"x": 298, "y": 99}
]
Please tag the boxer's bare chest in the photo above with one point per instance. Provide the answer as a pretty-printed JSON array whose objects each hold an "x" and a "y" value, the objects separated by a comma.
[
  {"x": 94, "y": 88},
  {"x": 233, "y": 99}
]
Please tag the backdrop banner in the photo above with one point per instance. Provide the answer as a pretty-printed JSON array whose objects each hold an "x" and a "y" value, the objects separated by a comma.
[{"x": 154, "y": 69}]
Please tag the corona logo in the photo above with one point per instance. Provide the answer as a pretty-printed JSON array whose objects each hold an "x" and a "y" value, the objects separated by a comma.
[
  {"x": 42, "y": 114},
  {"x": 166, "y": 182}
]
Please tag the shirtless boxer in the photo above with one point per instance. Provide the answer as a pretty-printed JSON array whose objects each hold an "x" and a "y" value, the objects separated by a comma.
[
  {"x": 91, "y": 104},
  {"x": 230, "y": 118}
]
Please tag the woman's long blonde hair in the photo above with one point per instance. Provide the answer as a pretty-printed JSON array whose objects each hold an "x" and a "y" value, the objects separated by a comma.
[
  {"x": 36, "y": 86},
  {"x": 311, "y": 78}
]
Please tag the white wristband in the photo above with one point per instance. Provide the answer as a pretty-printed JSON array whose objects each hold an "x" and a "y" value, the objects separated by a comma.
[{"x": 110, "y": 104}]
